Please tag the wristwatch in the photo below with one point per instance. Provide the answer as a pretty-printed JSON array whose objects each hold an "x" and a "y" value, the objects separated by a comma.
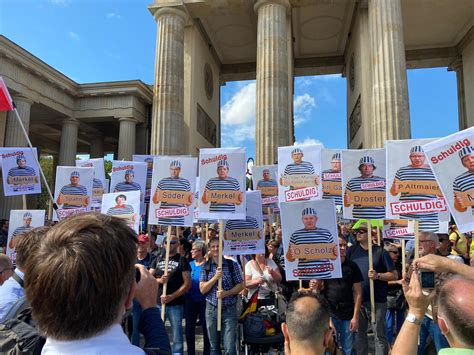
[{"x": 412, "y": 319}]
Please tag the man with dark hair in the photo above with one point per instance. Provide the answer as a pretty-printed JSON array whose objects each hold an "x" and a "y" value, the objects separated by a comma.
[
  {"x": 307, "y": 330},
  {"x": 12, "y": 289},
  {"x": 4, "y": 234},
  {"x": 6, "y": 268}
]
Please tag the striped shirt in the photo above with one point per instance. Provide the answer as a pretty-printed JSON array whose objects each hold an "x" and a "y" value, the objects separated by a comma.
[
  {"x": 70, "y": 189},
  {"x": 149, "y": 175},
  {"x": 97, "y": 184},
  {"x": 20, "y": 230},
  {"x": 268, "y": 183},
  {"x": 428, "y": 222},
  {"x": 310, "y": 269},
  {"x": 248, "y": 223},
  {"x": 127, "y": 186},
  {"x": 17, "y": 171},
  {"x": 120, "y": 210},
  {"x": 227, "y": 184},
  {"x": 326, "y": 196},
  {"x": 303, "y": 168},
  {"x": 464, "y": 182},
  {"x": 176, "y": 184},
  {"x": 367, "y": 212}
]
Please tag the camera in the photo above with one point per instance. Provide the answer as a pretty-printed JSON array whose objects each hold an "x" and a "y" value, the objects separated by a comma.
[{"x": 427, "y": 279}]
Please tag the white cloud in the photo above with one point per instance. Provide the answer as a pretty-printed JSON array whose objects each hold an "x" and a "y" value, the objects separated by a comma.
[
  {"x": 234, "y": 136},
  {"x": 73, "y": 35},
  {"x": 309, "y": 80},
  {"x": 113, "y": 15},
  {"x": 241, "y": 108},
  {"x": 60, "y": 2},
  {"x": 303, "y": 106},
  {"x": 308, "y": 141}
]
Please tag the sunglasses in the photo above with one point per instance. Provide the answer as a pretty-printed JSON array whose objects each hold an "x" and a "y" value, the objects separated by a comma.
[
  {"x": 173, "y": 242},
  {"x": 393, "y": 252},
  {"x": 361, "y": 231}
]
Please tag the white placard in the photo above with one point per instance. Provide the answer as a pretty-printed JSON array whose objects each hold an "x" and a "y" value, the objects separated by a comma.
[
  {"x": 123, "y": 205},
  {"x": 98, "y": 182},
  {"x": 148, "y": 159},
  {"x": 129, "y": 176},
  {"x": 331, "y": 175},
  {"x": 20, "y": 171}
]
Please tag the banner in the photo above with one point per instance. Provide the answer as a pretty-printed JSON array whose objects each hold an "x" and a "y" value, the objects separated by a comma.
[
  {"x": 452, "y": 161},
  {"x": 20, "y": 171},
  {"x": 331, "y": 175},
  {"x": 73, "y": 192},
  {"x": 123, "y": 205},
  {"x": 22, "y": 221},
  {"x": 148, "y": 159},
  {"x": 173, "y": 186},
  {"x": 98, "y": 182},
  {"x": 129, "y": 176},
  {"x": 246, "y": 236},
  {"x": 310, "y": 240},
  {"x": 222, "y": 183},
  {"x": 299, "y": 170},
  {"x": 363, "y": 180}
]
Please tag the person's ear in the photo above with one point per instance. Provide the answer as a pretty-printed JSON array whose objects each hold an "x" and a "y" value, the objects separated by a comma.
[
  {"x": 443, "y": 326},
  {"x": 284, "y": 330},
  {"x": 131, "y": 293},
  {"x": 328, "y": 337}
]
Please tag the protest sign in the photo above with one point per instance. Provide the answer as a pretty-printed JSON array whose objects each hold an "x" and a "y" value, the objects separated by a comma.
[
  {"x": 98, "y": 182},
  {"x": 412, "y": 191},
  {"x": 452, "y": 160},
  {"x": 20, "y": 171},
  {"x": 264, "y": 179},
  {"x": 148, "y": 159},
  {"x": 22, "y": 221},
  {"x": 173, "y": 186},
  {"x": 73, "y": 192},
  {"x": 129, "y": 176},
  {"x": 331, "y": 175},
  {"x": 222, "y": 183},
  {"x": 299, "y": 170},
  {"x": 310, "y": 240},
  {"x": 246, "y": 236},
  {"x": 123, "y": 205},
  {"x": 363, "y": 181}
]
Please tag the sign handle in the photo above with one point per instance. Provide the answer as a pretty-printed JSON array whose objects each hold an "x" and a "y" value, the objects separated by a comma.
[
  {"x": 371, "y": 266},
  {"x": 417, "y": 238},
  {"x": 404, "y": 263},
  {"x": 219, "y": 285},
  {"x": 167, "y": 258}
]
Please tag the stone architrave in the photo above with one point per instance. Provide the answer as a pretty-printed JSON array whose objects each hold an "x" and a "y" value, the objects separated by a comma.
[
  {"x": 391, "y": 115},
  {"x": 68, "y": 145},
  {"x": 126, "y": 145},
  {"x": 168, "y": 129},
  {"x": 273, "y": 121}
]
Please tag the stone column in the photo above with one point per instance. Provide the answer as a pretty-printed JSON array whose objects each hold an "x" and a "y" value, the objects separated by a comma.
[
  {"x": 97, "y": 147},
  {"x": 273, "y": 92},
  {"x": 167, "y": 127},
  {"x": 468, "y": 82},
  {"x": 391, "y": 115},
  {"x": 14, "y": 137},
  {"x": 68, "y": 145},
  {"x": 457, "y": 67},
  {"x": 126, "y": 145}
]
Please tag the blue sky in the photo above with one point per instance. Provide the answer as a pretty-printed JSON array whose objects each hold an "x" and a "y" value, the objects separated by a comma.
[{"x": 110, "y": 40}]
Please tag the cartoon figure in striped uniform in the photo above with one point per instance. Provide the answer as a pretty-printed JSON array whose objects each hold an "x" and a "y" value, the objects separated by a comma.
[
  {"x": 22, "y": 170},
  {"x": 299, "y": 167},
  {"x": 27, "y": 217},
  {"x": 223, "y": 182},
  {"x": 172, "y": 183},
  {"x": 416, "y": 171},
  {"x": 149, "y": 175},
  {"x": 311, "y": 234},
  {"x": 248, "y": 223},
  {"x": 122, "y": 210},
  {"x": 333, "y": 175},
  {"x": 74, "y": 189},
  {"x": 465, "y": 181},
  {"x": 267, "y": 181},
  {"x": 128, "y": 184},
  {"x": 357, "y": 184}
]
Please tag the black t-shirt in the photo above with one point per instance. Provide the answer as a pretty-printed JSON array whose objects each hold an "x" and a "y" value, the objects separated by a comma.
[
  {"x": 176, "y": 266},
  {"x": 382, "y": 263},
  {"x": 338, "y": 292},
  {"x": 147, "y": 261}
]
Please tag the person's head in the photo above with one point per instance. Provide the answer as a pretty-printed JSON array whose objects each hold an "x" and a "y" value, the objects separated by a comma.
[
  {"x": 417, "y": 156},
  {"x": 444, "y": 243},
  {"x": 336, "y": 162},
  {"x": 75, "y": 177},
  {"x": 297, "y": 155},
  {"x": 392, "y": 250},
  {"x": 173, "y": 240},
  {"x": 6, "y": 268},
  {"x": 309, "y": 217},
  {"x": 266, "y": 174},
  {"x": 27, "y": 244},
  {"x": 194, "y": 230},
  {"x": 273, "y": 246},
  {"x": 428, "y": 242},
  {"x": 5, "y": 224},
  {"x": 27, "y": 219},
  {"x": 213, "y": 230},
  {"x": 21, "y": 161},
  {"x": 367, "y": 166},
  {"x": 467, "y": 157},
  {"x": 198, "y": 250},
  {"x": 184, "y": 247},
  {"x": 262, "y": 256},
  {"x": 143, "y": 243},
  {"x": 129, "y": 176},
  {"x": 175, "y": 169},
  {"x": 307, "y": 322},
  {"x": 342, "y": 247},
  {"x": 120, "y": 199},
  {"x": 82, "y": 277},
  {"x": 149, "y": 163},
  {"x": 214, "y": 247},
  {"x": 278, "y": 234},
  {"x": 152, "y": 237},
  {"x": 456, "y": 312},
  {"x": 222, "y": 169}
]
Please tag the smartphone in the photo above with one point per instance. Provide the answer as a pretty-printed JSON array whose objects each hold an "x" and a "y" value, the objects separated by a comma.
[{"x": 427, "y": 279}]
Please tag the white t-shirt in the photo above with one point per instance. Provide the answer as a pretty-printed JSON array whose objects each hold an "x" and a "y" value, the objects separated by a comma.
[{"x": 263, "y": 289}]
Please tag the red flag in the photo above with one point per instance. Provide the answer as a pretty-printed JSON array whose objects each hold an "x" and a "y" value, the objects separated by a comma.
[{"x": 6, "y": 103}]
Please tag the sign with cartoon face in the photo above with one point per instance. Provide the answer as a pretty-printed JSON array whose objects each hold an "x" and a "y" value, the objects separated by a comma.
[
  {"x": 123, "y": 205},
  {"x": 20, "y": 171}
]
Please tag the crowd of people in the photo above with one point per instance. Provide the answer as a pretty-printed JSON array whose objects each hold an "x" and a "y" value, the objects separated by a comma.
[{"x": 94, "y": 286}]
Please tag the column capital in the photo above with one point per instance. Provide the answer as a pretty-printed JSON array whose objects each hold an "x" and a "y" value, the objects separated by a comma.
[
  {"x": 70, "y": 121},
  {"x": 456, "y": 65},
  {"x": 158, "y": 11},
  {"x": 128, "y": 119},
  {"x": 261, "y": 3},
  {"x": 18, "y": 98}
]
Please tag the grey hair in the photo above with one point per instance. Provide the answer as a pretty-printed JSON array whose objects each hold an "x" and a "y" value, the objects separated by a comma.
[
  {"x": 433, "y": 237},
  {"x": 200, "y": 245}
]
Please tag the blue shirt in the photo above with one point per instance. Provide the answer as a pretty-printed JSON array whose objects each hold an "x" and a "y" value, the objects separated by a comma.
[
  {"x": 10, "y": 292},
  {"x": 194, "y": 293},
  {"x": 229, "y": 280}
]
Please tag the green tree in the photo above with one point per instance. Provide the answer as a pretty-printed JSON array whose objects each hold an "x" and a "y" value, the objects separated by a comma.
[
  {"x": 108, "y": 168},
  {"x": 46, "y": 162}
]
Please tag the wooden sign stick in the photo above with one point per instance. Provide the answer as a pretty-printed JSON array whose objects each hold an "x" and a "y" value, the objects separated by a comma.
[
  {"x": 371, "y": 266},
  {"x": 219, "y": 285},
  {"x": 417, "y": 240},
  {"x": 167, "y": 258}
]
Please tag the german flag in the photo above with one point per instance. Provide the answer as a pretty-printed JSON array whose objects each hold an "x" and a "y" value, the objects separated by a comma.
[{"x": 251, "y": 306}]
